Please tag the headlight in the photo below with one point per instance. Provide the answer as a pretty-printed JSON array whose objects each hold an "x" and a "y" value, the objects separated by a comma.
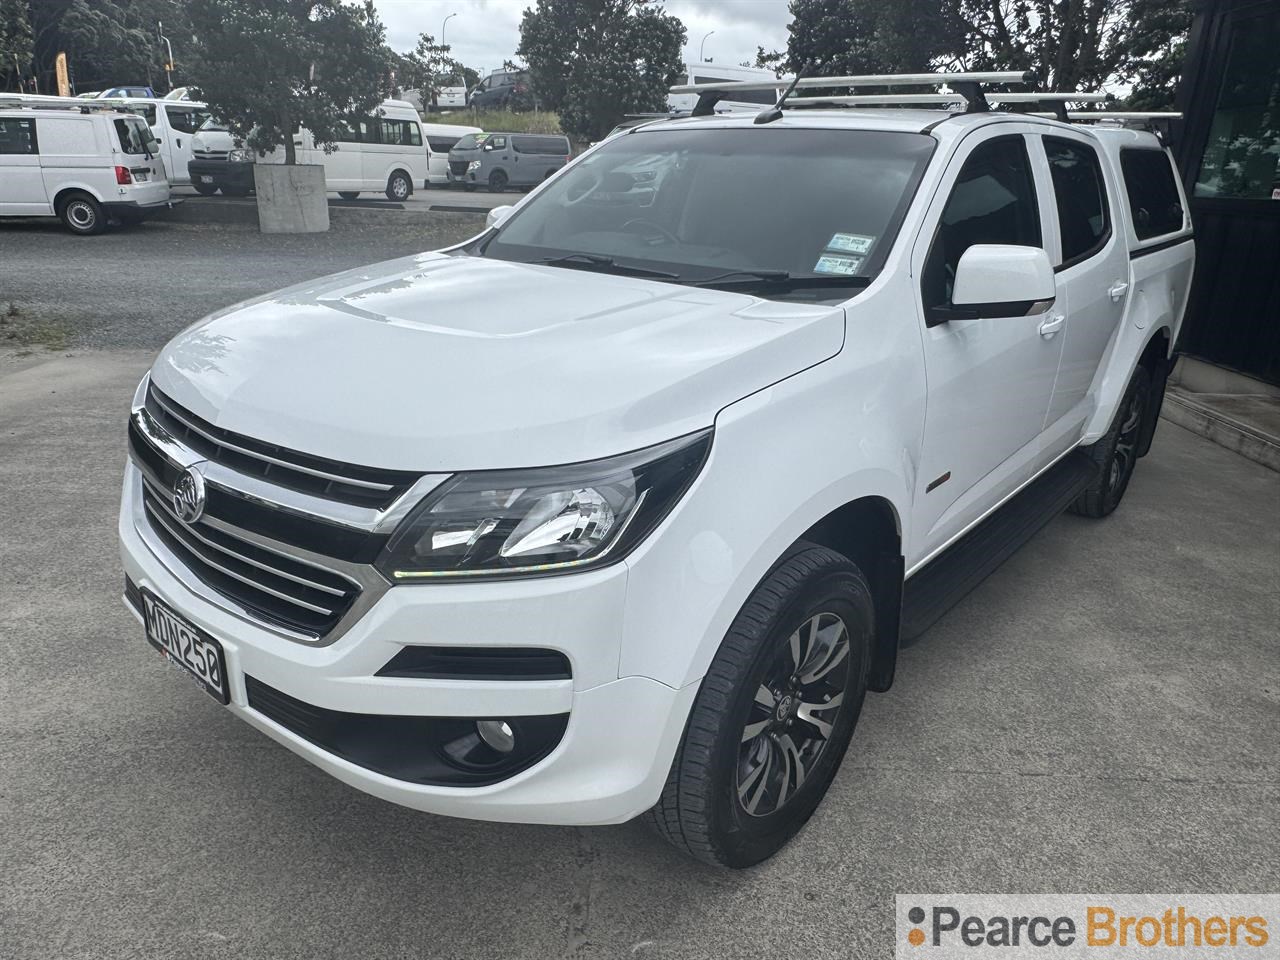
[
  {"x": 544, "y": 520},
  {"x": 239, "y": 156},
  {"x": 473, "y": 165}
]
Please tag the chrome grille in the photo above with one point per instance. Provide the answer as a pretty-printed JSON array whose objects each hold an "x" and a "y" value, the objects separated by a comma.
[
  {"x": 343, "y": 482},
  {"x": 273, "y": 585},
  {"x": 284, "y": 539},
  {"x": 209, "y": 154}
]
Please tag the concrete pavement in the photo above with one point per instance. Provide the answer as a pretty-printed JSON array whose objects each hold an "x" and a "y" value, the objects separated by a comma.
[{"x": 1102, "y": 714}]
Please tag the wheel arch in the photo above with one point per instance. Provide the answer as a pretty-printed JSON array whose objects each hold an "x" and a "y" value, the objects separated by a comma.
[
  {"x": 399, "y": 168},
  {"x": 1157, "y": 357},
  {"x": 868, "y": 531},
  {"x": 64, "y": 193}
]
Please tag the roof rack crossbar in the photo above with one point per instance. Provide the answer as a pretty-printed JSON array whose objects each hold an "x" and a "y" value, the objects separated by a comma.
[
  {"x": 1115, "y": 115},
  {"x": 865, "y": 80},
  {"x": 942, "y": 99},
  {"x": 967, "y": 85}
]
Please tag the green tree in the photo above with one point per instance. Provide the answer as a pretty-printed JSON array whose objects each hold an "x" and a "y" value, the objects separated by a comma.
[
  {"x": 268, "y": 67},
  {"x": 107, "y": 42},
  {"x": 17, "y": 47},
  {"x": 840, "y": 37},
  {"x": 1068, "y": 44},
  {"x": 430, "y": 67},
  {"x": 595, "y": 60}
]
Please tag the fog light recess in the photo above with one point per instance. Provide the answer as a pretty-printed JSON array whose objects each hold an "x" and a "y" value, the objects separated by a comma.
[{"x": 497, "y": 734}]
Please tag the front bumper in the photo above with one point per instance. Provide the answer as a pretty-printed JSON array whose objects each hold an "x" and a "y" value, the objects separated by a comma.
[
  {"x": 221, "y": 173},
  {"x": 621, "y": 734}
]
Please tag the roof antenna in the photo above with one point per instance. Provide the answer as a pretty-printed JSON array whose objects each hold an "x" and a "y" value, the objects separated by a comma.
[{"x": 770, "y": 114}]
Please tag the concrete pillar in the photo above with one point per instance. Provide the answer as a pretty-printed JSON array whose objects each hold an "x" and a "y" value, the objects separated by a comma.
[{"x": 291, "y": 198}]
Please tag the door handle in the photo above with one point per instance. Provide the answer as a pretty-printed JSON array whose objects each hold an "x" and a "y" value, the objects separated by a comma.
[
  {"x": 177, "y": 141},
  {"x": 1118, "y": 290},
  {"x": 1052, "y": 326}
]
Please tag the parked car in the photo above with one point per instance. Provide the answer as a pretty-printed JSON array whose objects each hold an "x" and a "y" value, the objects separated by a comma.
[
  {"x": 625, "y": 504},
  {"x": 173, "y": 124},
  {"x": 441, "y": 138},
  {"x": 501, "y": 90},
  {"x": 502, "y": 160},
  {"x": 128, "y": 92},
  {"x": 383, "y": 153},
  {"x": 453, "y": 97},
  {"x": 85, "y": 165}
]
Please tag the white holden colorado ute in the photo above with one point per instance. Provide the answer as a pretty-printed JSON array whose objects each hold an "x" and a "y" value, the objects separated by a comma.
[{"x": 623, "y": 506}]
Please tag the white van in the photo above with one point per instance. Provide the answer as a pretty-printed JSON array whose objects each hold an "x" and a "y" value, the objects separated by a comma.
[
  {"x": 174, "y": 123},
  {"x": 83, "y": 165},
  {"x": 726, "y": 73},
  {"x": 381, "y": 153},
  {"x": 440, "y": 139}
]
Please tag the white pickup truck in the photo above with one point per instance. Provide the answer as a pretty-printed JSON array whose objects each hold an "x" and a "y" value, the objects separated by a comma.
[{"x": 623, "y": 506}]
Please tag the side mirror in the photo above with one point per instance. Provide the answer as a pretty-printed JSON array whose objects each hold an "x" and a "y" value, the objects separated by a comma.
[
  {"x": 1001, "y": 277},
  {"x": 495, "y": 216},
  {"x": 487, "y": 146}
]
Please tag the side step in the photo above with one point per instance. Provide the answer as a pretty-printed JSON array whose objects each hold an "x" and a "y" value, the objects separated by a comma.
[{"x": 971, "y": 559}]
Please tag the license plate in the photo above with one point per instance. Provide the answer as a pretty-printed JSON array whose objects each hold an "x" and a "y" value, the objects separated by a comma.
[
  {"x": 206, "y": 178},
  {"x": 140, "y": 177},
  {"x": 188, "y": 646}
]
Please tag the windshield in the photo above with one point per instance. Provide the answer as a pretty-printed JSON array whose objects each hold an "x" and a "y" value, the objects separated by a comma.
[
  {"x": 470, "y": 141},
  {"x": 798, "y": 213},
  {"x": 135, "y": 136},
  {"x": 212, "y": 124}
]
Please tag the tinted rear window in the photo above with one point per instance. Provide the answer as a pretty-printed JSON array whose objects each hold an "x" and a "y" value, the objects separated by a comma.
[
  {"x": 1154, "y": 201},
  {"x": 442, "y": 144},
  {"x": 553, "y": 146},
  {"x": 1081, "y": 196}
]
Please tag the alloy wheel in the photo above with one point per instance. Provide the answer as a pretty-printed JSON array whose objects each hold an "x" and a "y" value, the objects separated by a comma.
[
  {"x": 1122, "y": 461},
  {"x": 793, "y": 713}
]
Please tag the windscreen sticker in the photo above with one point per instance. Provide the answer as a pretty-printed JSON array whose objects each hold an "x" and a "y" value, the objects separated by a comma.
[
  {"x": 851, "y": 243},
  {"x": 838, "y": 264}
]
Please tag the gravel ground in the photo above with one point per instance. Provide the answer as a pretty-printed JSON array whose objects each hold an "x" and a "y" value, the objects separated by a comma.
[
  {"x": 137, "y": 287},
  {"x": 1101, "y": 715}
]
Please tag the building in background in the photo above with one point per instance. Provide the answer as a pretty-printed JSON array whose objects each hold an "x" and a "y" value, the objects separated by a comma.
[{"x": 1229, "y": 156}]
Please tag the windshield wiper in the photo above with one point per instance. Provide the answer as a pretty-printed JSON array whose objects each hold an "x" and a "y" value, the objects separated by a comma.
[
  {"x": 778, "y": 278},
  {"x": 594, "y": 261}
]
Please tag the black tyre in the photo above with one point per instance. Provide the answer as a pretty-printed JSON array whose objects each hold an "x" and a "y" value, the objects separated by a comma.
[
  {"x": 1116, "y": 453},
  {"x": 774, "y": 714},
  {"x": 235, "y": 191},
  {"x": 348, "y": 194},
  {"x": 469, "y": 187},
  {"x": 497, "y": 181},
  {"x": 399, "y": 186},
  {"x": 204, "y": 189},
  {"x": 81, "y": 214}
]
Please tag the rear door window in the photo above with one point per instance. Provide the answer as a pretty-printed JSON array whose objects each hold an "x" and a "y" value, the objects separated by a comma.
[
  {"x": 186, "y": 119},
  {"x": 1154, "y": 201},
  {"x": 1080, "y": 191},
  {"x": 993, "y": 201},
  {"x": 18, "y": 136},
  {"x": 442, "y": 144},
  {"x": 134, "y": 136}
]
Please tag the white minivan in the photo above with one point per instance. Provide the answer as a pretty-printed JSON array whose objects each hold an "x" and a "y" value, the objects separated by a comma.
[
  {"x": 173, "y": 123},
  {"x": 440, "y": 139},
  {"x": 83, "y": 166},
  {"x": 723, "y": 73},
  {"x": 381, "y": 153}
]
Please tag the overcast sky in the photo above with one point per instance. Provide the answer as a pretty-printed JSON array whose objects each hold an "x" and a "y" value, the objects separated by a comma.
[{"x": 486, "y": 32}]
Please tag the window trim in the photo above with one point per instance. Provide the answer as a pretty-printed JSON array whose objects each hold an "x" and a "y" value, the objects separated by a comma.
[
  {"x": 1110, "y": 230},
  {"x": 936, "y": 316}
]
